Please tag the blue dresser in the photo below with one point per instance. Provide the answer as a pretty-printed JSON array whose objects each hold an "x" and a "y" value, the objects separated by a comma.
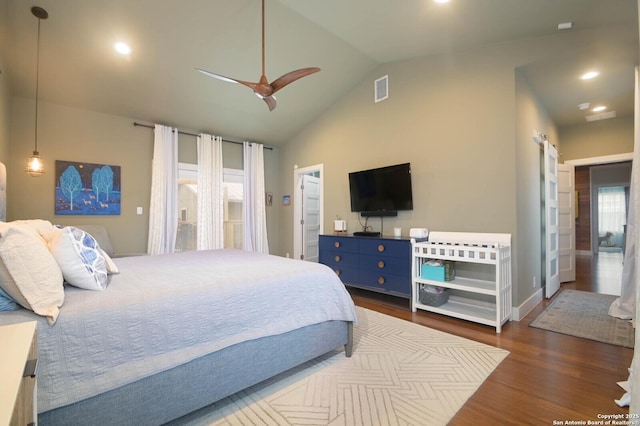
[{"x": 371, "y": 263}]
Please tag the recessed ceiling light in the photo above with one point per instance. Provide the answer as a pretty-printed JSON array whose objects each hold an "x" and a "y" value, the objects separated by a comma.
[
  {"x": 441, "y": 1},
  {"x": 599, "y": 108},
  {"x": 589, "y": 75},
  {"x": 122, "y": 48},
  {"x": 584, "y": 105},
  {"x": 565, "y": 26}
]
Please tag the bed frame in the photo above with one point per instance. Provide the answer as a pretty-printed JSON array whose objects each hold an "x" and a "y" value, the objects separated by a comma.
[{"x": 169, "y": 395}]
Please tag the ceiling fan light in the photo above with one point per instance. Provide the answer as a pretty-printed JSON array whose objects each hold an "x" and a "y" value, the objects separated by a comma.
[{"x": 35, "y": 165}]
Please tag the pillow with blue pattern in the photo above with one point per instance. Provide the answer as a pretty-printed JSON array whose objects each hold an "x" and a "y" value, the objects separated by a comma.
[
  {"x": 6, "y": 302},
  {"x": 80, "y": 258}
]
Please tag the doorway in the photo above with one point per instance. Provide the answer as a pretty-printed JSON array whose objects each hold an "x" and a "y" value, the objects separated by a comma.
[
  {"x": 308, "y": 217},
  {"x": 603, "y": 253}
]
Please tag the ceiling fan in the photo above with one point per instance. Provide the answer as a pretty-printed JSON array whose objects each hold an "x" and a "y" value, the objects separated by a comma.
[{"x": 263, "y": 89}]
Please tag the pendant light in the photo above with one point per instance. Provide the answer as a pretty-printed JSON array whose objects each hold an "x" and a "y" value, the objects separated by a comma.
[{"x": 35, "y": 165}]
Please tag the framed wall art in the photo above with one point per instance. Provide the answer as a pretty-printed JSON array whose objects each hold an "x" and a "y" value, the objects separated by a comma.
[{"x": 87, "y": 189}]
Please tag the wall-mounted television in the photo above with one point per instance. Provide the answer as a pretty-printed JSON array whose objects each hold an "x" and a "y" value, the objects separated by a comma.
[{"x": 382, "y": 191}]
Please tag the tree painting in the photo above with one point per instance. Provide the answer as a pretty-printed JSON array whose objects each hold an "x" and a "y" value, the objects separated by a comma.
[
  {"x": 70, "y": 184},
  {"x": 87, "y": 189}
]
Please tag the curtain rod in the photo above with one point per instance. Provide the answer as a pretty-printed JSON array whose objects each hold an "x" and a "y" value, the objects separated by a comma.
[{"x": 135, "y": 123}]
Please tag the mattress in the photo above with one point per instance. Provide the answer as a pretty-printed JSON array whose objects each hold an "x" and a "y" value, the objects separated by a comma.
[{"x": 166, "y": 310}]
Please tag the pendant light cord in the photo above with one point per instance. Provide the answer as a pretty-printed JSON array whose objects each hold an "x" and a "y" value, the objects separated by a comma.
[{"x": 37, "y": 84}]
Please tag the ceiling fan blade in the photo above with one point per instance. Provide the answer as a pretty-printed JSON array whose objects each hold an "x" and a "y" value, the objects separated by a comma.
[
  {"x": 271, "y": 102},
  {"x": 292, "y": 76},
  {"x": 263, "y": 89},
  {"x": 228, "y": 79}
]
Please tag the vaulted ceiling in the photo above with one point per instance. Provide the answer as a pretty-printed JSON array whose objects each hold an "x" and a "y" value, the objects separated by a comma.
[{"x": 346, "y": 39}]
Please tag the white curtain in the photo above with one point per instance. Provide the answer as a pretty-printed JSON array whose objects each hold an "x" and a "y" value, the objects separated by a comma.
[
  {"x": 627, "y": 304},
  {"x": 210, "y": 234},
  {"x": 163, "y": 206},
  {"x": 624, "y": 307},
  {"x": 255, "y": 218}
]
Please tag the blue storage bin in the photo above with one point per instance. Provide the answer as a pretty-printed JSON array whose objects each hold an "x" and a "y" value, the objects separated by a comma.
[{"x": 446, "y": 272}]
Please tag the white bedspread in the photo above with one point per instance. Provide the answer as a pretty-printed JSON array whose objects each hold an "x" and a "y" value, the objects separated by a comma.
[{"x": 163, "y": 311}]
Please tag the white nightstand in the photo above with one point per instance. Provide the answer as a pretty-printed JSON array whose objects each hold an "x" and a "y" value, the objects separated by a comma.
[{"x": 17, "y": 369}]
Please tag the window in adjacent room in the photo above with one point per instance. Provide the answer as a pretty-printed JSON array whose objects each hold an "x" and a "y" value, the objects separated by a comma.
[
  {"x": 188, "y": 208},
  {"x": 612, "y": 212}
]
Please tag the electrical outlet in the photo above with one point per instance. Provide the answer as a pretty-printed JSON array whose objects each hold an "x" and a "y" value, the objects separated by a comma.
[{"x": 534, "y": 281}]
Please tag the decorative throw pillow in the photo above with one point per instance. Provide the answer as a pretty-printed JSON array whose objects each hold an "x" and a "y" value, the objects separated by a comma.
[
  {"x": 80, "y": 258},
  {"x": 99, "y": 232},
  {"x": 41, "y": 227},
  {"x": 6, "y": 302},
  {"x": 112, "y": 268},
  {"x": 29, "y": 273}
]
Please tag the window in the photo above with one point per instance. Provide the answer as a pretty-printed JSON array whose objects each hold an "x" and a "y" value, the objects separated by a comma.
[
  {"x": 612, "y": 209},
  {"x": 188, "y": 207}
]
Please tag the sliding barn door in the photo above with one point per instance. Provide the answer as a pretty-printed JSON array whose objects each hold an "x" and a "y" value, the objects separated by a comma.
[
  {"x": 552, "y": 252},
  {"x": 567, "y": 222}
]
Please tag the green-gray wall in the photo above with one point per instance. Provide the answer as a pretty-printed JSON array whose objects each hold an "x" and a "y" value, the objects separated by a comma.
[
  {"x": 597, "y": 139},
  {"x": 73, "y": 134},
  {"x": 457, "y": 119},
  {"x": 5, "y": 94}
]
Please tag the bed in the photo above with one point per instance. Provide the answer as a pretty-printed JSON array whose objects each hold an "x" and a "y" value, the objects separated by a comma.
[{"x": 170, "y": 334}]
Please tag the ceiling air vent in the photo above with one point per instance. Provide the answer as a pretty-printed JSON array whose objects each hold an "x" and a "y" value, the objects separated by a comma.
[
  {"x": 381, "y": 88},
  {"x": 601, "y": 116}
]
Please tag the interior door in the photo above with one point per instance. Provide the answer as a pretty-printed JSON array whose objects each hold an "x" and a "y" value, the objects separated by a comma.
[
  {"x": 552, "y": 252},
  {"x": 567, "y": 222},
  {"x": 310, "y": 217}
]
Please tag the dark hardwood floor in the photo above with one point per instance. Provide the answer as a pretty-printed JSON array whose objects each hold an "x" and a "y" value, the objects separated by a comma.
[{"x": 547, "y": 376}]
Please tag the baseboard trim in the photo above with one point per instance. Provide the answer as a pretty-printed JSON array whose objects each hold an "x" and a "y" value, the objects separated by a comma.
[{"x": 519, "y": 312}]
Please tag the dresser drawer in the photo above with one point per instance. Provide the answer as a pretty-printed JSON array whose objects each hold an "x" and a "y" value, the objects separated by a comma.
[
  {"x": 386, "y": 264},
  {"x": 386, "y": 282},
  {"x": 386, "y": 247},
  {"x": 335, "y": 258},
  {"x": 342, "y": 244},
  {"x": 347, "y": 275}
]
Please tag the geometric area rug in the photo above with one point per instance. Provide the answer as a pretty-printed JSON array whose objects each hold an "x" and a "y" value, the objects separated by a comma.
[
  {"x": 400, "y": 373},
  {"x": 585, "y": 314}
]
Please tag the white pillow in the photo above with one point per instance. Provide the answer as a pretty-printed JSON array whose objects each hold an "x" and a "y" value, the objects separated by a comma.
[
  {"x": 29, "y": 273},
  {"x": 42, "y": 227},
  {"x": 112, "y": 268},
  {"x": 80, "y": 258}
]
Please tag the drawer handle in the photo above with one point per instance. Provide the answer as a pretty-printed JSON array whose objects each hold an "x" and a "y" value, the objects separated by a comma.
[
  {"x": 381, "y": 280},
  {"x": 30, "y": 368},
  {"x": 337, "y": 258},
  {"x": 381, "y": 264},
  {"x": 338, "y": 272},
  {"x": 336, "y": 244},
  {"x": 380, "y": 248}
]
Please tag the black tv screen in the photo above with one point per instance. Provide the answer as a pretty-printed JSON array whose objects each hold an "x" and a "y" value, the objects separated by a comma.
[{"x": 385, "y": 189}]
